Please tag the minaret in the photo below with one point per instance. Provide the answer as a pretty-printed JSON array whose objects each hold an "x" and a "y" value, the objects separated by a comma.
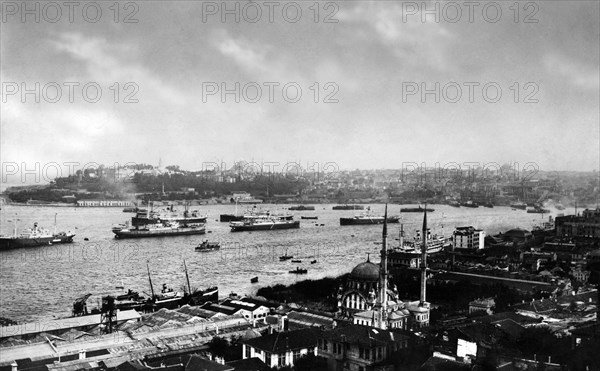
[
  {"x": 383, "y": 277},
  {"x": 424, "y": 259}
]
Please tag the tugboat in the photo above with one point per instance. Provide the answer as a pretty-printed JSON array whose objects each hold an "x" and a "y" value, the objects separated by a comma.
[
  {"x": 285, "y": 257},
  {"x": 208, "y": 246}
]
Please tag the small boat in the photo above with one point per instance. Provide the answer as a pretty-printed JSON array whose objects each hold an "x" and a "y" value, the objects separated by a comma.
[
  {"x": 309, "y": 217},
  {"x": 299, "y": 270},
  {"x": 285, "y": 257},
  {"x": 208, "y": 246},
  {"x": 296, "y": 261},
  {"x": 519, "y": 205},
  {"x": 313, "y": 261},
  {"x": 122, "y": 287},
  {"x": 471, "y": 204},
  {"x": 254, "y": 280}
]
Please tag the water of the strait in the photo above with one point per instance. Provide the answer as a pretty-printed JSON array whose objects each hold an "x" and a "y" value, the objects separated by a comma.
[{"x": 42, "y": 282}]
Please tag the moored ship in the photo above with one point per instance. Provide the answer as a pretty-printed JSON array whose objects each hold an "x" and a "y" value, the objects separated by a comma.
[
  {"x": 301, "y": 208},
  {"x": 435, "y": 243},
  {"x": 348, "y": 207},
  {"x": 35, "y": 236},
  {"x": 264, "y": 222},
  {"x": 169, "y": 215},
  {"x": 368, "y": 219},
  {"x": 519, "y": 205},
  {"x": 416, "y": 209},
  {"x": 538, "y": 210},
  {"x": 158, "y": 230}
]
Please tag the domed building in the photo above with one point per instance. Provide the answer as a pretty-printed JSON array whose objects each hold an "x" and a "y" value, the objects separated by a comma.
[{"x": 363, "y": 299}]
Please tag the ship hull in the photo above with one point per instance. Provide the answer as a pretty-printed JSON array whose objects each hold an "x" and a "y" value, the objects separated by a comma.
[
  {"x": 302, "y": 208},
  {"x": 137, "y": 233},
  {"x": 415, "y": 210},
  {"x": 265, "y": 226},
  {"x": 225, "y": 218},
  {"x": 365, "y": 221},
  {"x": 348, "y": 207},
  {"x": 7, "y": 243}
]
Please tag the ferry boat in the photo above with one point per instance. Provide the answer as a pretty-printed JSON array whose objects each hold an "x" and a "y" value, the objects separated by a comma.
[
  {"x": 264, "y": 222},
  {"x": 158, "y": 230},
  {"x": 245, "y": 198},
  {"x": 435, "y": 243}
]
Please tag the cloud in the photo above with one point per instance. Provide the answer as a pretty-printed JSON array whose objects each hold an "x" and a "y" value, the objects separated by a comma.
[{"x": 572, "y": 71}]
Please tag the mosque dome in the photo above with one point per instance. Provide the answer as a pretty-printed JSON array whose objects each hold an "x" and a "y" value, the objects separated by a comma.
[{"x": 366, "y": 271}]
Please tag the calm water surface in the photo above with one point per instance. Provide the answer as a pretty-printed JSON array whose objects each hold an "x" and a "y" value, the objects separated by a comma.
[{"x": 42, "y": 282}]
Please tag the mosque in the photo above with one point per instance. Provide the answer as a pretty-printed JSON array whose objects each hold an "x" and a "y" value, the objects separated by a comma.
[{"x": 367, "y": 298}]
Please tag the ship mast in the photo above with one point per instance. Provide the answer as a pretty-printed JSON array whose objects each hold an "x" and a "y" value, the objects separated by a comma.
[
  {"x": 424, "y": 259},
  {"x": 55, "y": 214},
  {"x": 150, "y": 279},
  {"x": 187, "y": 278}
]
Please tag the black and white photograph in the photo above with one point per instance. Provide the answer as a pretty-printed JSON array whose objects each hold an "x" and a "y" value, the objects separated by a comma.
[{"x": 299, "y": 185}]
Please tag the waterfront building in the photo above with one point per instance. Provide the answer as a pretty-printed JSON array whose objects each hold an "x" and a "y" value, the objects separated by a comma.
[
  {"x": 104, "y": 203},
  {"x": 468, "y": 238},
  {"x": 249, "y": 308},
  {"x": 587, "y": 225}
]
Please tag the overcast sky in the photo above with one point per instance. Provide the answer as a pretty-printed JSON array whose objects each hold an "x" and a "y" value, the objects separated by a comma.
[{"x": 374, "y": 52}]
